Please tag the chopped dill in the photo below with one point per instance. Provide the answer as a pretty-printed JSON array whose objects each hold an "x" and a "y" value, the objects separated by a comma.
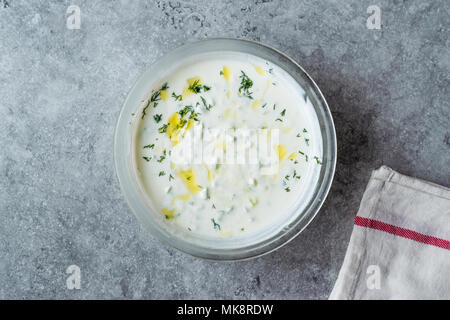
[
  {"x": 207, "y": 106},
  {"x": 196, "y": 87},
  {"x": 185, "y": 111},
  {"x": 163, "y": 128},
  {"x": 177, "y": 97},
  {"x": 164, "y": 87},
  {"x": 283, "y": 112},
  {"x": 147, "y": 158},
  {"x": 246, "y": 84},
  {"x": 157, "y": 117},
  {"x": 215, "y": 224},
  {"x": 154, "y": 98},
  {"x": 145, "y": 109},
  {"x": 149, "y": 146},
  {"x": 161, "y": 173},
  {"x": 162, "y": 157}
]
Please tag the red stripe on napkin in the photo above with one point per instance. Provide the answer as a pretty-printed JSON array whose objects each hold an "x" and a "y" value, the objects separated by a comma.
[{"x": 402, "y": 232}]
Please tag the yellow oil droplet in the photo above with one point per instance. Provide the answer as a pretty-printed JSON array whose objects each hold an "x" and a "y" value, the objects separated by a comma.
[
  {"x": 282, "y": 151},
  {"x": 230, "y": 113},
  {"x": 172, "y": 130},
  {"x": 253, "y": 202},
  {"x": 175, "y": 137},
  {"x": 172, "y": 124},
  {"x": 260, "y": 70},
  {"x": 226, "y": 72},
  {"x": 226, "y": 233},
  {"x": 190, "y": 125},
  {"x": 211, "y": 174},
  {"x": 169, "y": 214},
  {"x": 189, "y": 180},
  {"x": 293, "y": 156},
  {"x": 172, "y": 165},
  {"x": 220, "y": 145},
  {"x": 268, "y": 86},
  {"x": 183, "y": 197},
  {"x": 228, "y": 94},
  {"x": 186, "y": 93},
  {"x": 256, "y": 104},
  {"x": 286, "y": 129},
  {"x": 274, "y": 177},
  {"x": 164, "y": 95},
  {"x": 193, "y": 80}
]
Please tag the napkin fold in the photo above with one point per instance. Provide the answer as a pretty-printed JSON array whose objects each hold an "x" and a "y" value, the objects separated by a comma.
[{"x": 400, "y": 244}]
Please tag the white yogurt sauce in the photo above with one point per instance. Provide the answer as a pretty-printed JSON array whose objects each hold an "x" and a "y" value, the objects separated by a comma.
[{"x": 226, "y": 91}]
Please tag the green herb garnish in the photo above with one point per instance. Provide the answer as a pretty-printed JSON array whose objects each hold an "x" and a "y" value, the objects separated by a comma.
[
  {"x": 196, "y": 87},
  {"x": 155, "y": 97},
  {"x": 149, "y": 146},
  {"x": 157, "y": 117},
  {"x": 163, "y": 128},
  {"x": 215, "y": 224},
  {"x": 161, "y": 158},
  {"x": 161, "y": 173},
  {"x": 185, "y": 111},
  {"x": 246, "y": 84},
  {"x": 207, "y": 106},
  {"x": 177, "y": 97}
]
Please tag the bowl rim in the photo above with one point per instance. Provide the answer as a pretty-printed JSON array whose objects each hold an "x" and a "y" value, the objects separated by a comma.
[{"x": 325, "y": 185}]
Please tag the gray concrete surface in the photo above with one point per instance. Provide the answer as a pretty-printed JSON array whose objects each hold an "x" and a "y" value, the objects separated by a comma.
[{"x": 61, "y": 91}]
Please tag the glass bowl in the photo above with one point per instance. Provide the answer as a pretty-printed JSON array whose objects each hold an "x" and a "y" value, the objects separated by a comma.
[{"x": 136, "y": 197}]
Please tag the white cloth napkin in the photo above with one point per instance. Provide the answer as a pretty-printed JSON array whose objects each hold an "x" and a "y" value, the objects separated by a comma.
[{"x": 400, "y": 245}]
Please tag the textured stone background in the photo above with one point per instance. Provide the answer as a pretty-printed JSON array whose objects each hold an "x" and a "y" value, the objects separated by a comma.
[{"x": 61, "y": 91}]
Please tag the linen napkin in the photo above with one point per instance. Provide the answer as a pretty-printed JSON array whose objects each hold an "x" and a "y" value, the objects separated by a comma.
[{"x": 400, "y": 244}]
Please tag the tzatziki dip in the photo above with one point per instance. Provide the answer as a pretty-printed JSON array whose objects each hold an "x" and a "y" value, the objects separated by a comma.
[{"x": 226, "y": 145}]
